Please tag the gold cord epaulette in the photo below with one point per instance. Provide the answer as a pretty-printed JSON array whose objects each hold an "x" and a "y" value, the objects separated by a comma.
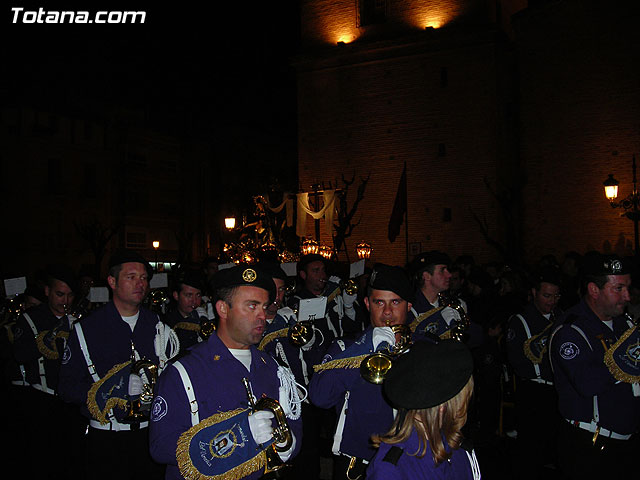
[
  {"x": 283, "y": 332},
  {"x": 349, "y": 362},
  {"x": 609, "y": 361},
  {"x": 194, "y": 327},
  {"x": 190, "y": 472},
  {"x": 413, "y": 325},
  {"x": 112, "y": 402},
  {"x": 50, "y": 353}
]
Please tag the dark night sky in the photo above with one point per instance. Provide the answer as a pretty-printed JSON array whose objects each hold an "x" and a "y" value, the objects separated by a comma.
[{"x": 232, "y": 61}]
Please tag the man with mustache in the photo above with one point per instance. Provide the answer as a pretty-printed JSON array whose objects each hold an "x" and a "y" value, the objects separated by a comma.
[{"x": 598, "y": 392}]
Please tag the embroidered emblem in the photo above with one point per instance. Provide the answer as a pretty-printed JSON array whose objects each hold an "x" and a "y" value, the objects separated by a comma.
[
  {"x": 633, "y": 353},
  {"x": 249, "y": 275},
  {"x": 432, "y": 328},
  {"x": 158, "y": 409},
  {"x": 66, "y": 355},
  {"x": 569, "y": 350},
  {"x": 216, "y": 358},
  {"x": 223, "y": 444}
]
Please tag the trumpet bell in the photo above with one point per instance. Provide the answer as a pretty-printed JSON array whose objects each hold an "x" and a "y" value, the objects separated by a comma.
[
  {"x": 374, "y": 367},
  {"x": 300, "y": 333}
]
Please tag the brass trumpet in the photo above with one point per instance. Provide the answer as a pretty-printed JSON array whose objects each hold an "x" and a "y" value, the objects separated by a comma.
[
  {"x": 281, "y": 433},
  {"x": 459, "y": 328},
  {"x": 350, "y": 287},
  {"x": 375, "y": 367}
]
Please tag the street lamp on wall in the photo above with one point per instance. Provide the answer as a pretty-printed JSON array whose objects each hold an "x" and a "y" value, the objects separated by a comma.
[
  {"x": 230, "y": 223},
  {"x": 630, "y": 204},
  {"x": 363, "y": 249},
  {"x": 156, "y": 245}
]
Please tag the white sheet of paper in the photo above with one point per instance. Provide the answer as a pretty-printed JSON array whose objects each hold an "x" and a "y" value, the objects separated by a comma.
[
  {"x": 290, "y": 268},
  {"x": 159, "y": 280},
  {"x": 98, "y": 294},
  {"x": 226, "y": 265},
  {"x": 312, "y": 308},
  {"x": 15, "y": 286}
]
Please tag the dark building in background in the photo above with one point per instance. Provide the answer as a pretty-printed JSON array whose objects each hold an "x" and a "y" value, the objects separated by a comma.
[{"x": 508, "y": 115}]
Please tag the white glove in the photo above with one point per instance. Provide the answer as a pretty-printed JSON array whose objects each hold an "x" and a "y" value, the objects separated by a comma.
[
  {"x": 334, "y": 279},
  {"x": 135, "y": 385},
  {"x": 288, "y": 314},
  {"x": 307, "y": 346},
  {"x": 201, "y": 312},
  {"x": 260, "y": 426},
  {"x": 383, "y": 334},
  {"x": 284, "y": 456},
  {"x": 348, "y": 299}
]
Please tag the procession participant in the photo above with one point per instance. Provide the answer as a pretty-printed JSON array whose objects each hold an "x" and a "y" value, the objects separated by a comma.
[
  {"x": 433, "y": 312},
  {"x": 594, "y": 355},
  {"x": 100, "y": 374},
  {"x": 188, "y": 317},
  {"x": 39, "y": 336},
  {"x": 281, "y": 342},
  {"x": 537, "y": 417},
  {"x": 203, "y": 424},
  {"x": 342, "y": 306},
  {"x": 337, "y": 382},
  {"x": 431, "y": 387}
]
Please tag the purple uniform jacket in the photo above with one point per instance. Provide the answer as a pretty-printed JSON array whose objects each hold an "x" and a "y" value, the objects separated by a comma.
[
  {"x": 361, "y": 408},
  {"x": 517, "y": 336},
  {"x": 580, "y": 372},
  {"x": 216, "y": 376},
  {"x": 25, "y": 347},
  {"x": 410, "y": 467},
  {"x": 109, "y": 340}
]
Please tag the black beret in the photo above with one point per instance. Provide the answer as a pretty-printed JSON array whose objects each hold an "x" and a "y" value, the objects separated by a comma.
[
  {"x": 245, "y": 275},
  {"x": 429, "y": 374},
  {"x": 273, "y": 269},
  {"x": 549, "y": 274},
  {"x": 427, "y": 259},
  {"x": 191, "y": 278},
  {"x": 596, "y": 264},
  {"x": 63, "y": 273},
  {"x": 129, "y": 256},
  {"x": 391, "y": 278}
]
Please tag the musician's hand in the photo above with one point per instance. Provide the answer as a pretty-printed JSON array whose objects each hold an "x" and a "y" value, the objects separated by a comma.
[
  {"x": 383, "y": 334},
  {"x": 201, "y": 312},
  {"x": 348, "y": 299},
  {"x": 288, "y": 314},
  {"x": 135, "y": 385},
  {"x": 260, "y": 426},
  {"x": 284, "y": 456},
  {"x": 334, "y": 279}
]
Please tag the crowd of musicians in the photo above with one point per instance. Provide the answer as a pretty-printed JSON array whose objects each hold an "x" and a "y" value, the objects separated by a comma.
[{"x": 399, "y": 371}]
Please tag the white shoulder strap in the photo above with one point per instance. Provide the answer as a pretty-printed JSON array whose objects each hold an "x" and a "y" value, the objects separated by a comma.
[
  {"x": 191, "y": 395},
  {"x": 85, "y": 351}
]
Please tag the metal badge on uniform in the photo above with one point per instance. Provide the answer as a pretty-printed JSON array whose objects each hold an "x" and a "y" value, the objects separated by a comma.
[
  {"x": 312, "y": 308},
  {"x": 249, "y": 275}
]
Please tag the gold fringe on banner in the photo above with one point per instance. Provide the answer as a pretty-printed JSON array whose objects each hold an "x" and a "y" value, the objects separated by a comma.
[
  {"x": 613, "y": 367},
  {"x": 190, "y": 472},
  {"x": 50, "y": 353},
  {"x": 413, "y": 325},
  {"x": 283, "y": 332},
  {"x": 350, "y": 362},
  {"x": 112, "y": 402},
  {"x": 526, "y": 347}
]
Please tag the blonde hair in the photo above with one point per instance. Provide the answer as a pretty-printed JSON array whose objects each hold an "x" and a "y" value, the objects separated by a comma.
[{"x": 432, "y": 424}]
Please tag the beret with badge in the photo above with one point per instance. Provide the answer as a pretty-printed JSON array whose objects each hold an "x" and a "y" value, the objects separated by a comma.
[
  {"x": 598, "y": 264},
  {"x": 245, "y": 276},
  {"x": 428, "y": 375}
]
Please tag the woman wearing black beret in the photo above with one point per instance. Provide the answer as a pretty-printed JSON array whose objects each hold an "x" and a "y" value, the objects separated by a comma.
[{"x": 431, "y": 387}]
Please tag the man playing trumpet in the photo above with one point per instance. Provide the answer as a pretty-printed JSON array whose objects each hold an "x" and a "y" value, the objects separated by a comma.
[{"x": 337, "y": 381}]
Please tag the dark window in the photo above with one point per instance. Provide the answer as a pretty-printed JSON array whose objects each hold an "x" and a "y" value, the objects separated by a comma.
[{"x": 371, "y": 12}]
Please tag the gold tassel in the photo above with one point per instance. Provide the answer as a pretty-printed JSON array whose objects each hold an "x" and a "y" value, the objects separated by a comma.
[
  {"x": 194, "y": 327},
  {"x": 283, "y": 332},
  {"x": 350, "y": 362},
  {"x": 113, "y": 402},
  {"x": 190, "y": 472},
  {"x": 609, "y": 361},
  {"x": 51, "y": 354}
]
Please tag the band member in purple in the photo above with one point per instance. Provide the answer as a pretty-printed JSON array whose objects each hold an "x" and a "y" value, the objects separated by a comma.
[
  {"x": 431, "y": 387},
  {"x": 594, "y": 355},
  {"x": 537, "y": 417},
  {"x": 338, "y": 383},
  {"x": 208, "y": 418},
  {"x": 108, "y": 370}
]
